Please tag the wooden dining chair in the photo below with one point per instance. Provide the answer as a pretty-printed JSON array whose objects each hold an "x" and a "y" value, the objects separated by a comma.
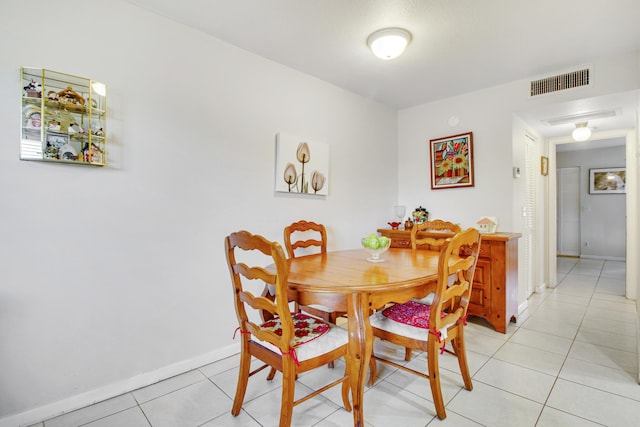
[
  {"x": 304, "y": 238},
  {"x": 432, "y": 242},
  {"x": 430, "y": 328},
  {"x": 291, "y": 343}
]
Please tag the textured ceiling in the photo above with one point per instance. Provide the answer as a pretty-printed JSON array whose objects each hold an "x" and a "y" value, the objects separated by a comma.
[{"x": 458, "y": 46}]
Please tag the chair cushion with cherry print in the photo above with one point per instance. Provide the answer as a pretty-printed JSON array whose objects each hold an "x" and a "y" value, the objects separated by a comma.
[{"x": 312, "y": 336}]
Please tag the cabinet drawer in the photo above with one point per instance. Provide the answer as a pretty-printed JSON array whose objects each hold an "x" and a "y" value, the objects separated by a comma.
[{"x": 400, "y": 243}]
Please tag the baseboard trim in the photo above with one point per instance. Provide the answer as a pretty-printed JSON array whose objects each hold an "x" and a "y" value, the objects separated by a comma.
[
  {"x": 522, "y": 307},
  {"x": 605, "y": 258},
  {"x": 73, "y": 403}
]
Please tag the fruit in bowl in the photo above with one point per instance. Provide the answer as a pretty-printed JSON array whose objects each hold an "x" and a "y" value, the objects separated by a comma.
[{"x": 376, "y": 245}]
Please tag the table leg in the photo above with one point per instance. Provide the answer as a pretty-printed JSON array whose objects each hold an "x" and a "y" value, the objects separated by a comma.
[{"x": 359, "y": 351}]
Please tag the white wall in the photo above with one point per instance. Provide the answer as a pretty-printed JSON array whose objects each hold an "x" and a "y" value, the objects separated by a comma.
[
  {"x": 114, "y": 277},
  {"x": 492, "y": 146},
  {"x": 602, "y": 217}
]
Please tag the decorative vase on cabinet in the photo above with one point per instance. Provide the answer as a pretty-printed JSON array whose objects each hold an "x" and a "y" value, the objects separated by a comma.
[{"x": 63, "y": 118}]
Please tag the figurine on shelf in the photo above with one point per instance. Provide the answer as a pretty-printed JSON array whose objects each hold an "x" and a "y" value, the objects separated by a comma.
[
  {"x": 96, "y": 154},
  {"x": 54, "y": 125},
  {"x": 33, "y": 89},
  {"x": 76, "y": 128},
  {"x": 93, "y": 155},
  {"x": 69, "y": 95},
  {"x": 394, "y": 225}
]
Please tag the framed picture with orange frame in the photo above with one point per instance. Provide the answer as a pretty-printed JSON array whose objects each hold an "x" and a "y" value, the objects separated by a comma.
[{"x": 452, "y": 161}]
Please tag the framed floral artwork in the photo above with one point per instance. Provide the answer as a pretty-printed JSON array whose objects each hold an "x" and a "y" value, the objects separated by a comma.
[
  {"x": 302, "y": 166},
  {"x": 452, "y": 161}
]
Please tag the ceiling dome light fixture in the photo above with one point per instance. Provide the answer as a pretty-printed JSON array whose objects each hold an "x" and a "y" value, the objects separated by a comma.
[
  {"x": 389, "y": 43},
  {"x": 581, "y": 132}
]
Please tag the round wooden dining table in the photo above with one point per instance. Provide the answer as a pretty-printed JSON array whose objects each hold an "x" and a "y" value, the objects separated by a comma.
[{"x": 347, "y": 282}]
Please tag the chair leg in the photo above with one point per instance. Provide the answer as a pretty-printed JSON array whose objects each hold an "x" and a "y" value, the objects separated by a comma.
[
  {"x": 461, "y": 354},
  {"x": 407, "y": 354},
  {"x": 373, "y": 371},
  {"x": 346, "y": 388},
  {"x": 272, "y": 374},
  {"x": 433, "y": 349},
  {"x": 243, "y": 379},
  {"x": 288, "y": 389},
  {"x": 331, "y": 318}
]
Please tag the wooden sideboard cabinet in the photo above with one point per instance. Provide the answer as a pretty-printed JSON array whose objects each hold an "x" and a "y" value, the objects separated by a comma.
[{"x": 494, "y": 295}]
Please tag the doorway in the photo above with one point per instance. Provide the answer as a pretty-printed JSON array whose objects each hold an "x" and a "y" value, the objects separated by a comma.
[{"x": 568, "y": 207}]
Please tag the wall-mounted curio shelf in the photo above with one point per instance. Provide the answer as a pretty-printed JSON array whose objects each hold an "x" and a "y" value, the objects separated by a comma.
[{"x": 63, "y": 118}]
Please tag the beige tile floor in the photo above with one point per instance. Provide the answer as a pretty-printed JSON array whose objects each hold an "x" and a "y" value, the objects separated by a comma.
[{"x": 571, "y": 360}]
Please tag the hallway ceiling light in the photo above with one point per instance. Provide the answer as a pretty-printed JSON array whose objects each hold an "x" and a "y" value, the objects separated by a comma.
[
  {"x": 389, "y": 43},
  {"x": 581, "y": 132}
]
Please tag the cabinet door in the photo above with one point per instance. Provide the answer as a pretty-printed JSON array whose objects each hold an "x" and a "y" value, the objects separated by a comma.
[{"x": 480, "y": 303}]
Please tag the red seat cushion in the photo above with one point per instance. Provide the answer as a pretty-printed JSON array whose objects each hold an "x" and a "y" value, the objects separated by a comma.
[
  {"x": 410, "y": 313},
  {"x": 306, "y": 328}
]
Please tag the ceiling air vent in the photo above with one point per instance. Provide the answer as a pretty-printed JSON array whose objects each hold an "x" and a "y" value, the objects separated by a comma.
[{"x": 560, "y": 82}]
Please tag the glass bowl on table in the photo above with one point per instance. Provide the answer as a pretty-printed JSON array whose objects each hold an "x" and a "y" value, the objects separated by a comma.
[{"x": 375, "y": 245}]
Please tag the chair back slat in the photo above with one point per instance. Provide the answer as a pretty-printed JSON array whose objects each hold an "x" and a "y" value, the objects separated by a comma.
[{"x": 436, "y": 225}]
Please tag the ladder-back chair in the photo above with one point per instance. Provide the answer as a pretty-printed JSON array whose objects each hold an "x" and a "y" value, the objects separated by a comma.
[
  {"x": 430, "y": 328},
  {"x": 303, "y": 238},
  {"x": 433, "y": 242},
  {"x": 289, "y": 343}
]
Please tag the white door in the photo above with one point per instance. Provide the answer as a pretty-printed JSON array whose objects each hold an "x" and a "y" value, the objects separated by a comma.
[{"x": 568, "y": 205}]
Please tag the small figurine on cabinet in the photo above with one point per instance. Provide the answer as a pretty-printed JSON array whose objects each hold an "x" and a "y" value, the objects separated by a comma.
[
  {"x": 487, "y": 224},
  {"x": 394, "y": 225},
  {"x": 408, "y": 224},
  {"x": 420, "y": 215}
]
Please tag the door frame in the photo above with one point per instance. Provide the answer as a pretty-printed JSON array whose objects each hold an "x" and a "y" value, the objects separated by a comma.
[{"x": 631, "y": 202}]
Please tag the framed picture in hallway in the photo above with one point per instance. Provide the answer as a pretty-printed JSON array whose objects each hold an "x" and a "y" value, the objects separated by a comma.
[
  {"x": 452, "y": 161},
  {"x": 544, "y": 165},
  {"x": 607, "y": 181}
]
